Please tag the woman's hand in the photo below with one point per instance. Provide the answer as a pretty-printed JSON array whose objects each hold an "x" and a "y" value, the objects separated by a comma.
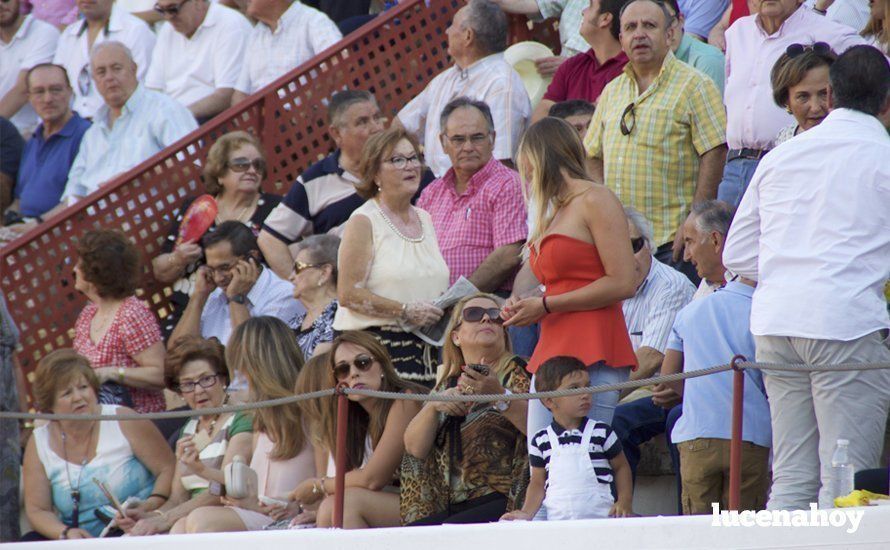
[
  {"x": 76, "y": 533},
  {"x": 522, "y": 313},
  {"x": 516, "y": 515},
  {"x": 479, "y": 383},
  {"x": 306, "y": 517},
  {"x": 421, "y": 314},
  {"x": 308, "y": 492},
  {"x": 187, "y": 454},
  {"x": 106, "y": 374},
  {"x": 247, "y": 503},
  {"x": 452, "y": 408},
  {"x": 278, "y": 512},
  {"x": 186, "y": 253}
]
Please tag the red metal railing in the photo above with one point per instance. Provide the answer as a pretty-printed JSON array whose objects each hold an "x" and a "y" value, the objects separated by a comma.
[{"x": 394, "y": 56}]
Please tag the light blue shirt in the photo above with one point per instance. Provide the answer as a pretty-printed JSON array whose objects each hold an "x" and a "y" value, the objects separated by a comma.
[
  {"x": 702, "y": 15},
  {"x": 270, "y": 295},
  {"x": 709, "y": 332},
  {"x": 703, "y": 57},
  {"x": 149, "y": 122}
]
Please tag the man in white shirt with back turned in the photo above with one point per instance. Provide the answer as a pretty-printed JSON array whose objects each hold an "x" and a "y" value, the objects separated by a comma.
[
  {"x": 287, "y": 34},
  {"x": 199, "y": 54},
  {"x": 814, "y": 231}
]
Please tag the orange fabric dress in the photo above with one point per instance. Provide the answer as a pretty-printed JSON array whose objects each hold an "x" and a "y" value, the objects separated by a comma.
[{"x": 562, "y": 265}]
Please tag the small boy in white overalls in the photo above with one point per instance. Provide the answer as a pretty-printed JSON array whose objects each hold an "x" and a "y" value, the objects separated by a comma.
[{"x": 574, "y": 459}]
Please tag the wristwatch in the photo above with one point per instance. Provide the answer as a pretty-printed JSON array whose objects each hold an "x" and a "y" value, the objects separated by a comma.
[
  {"x": 238, "y": 299},
  {"x": 120, "y": 374},
  {"x": 502, "y": 406}
]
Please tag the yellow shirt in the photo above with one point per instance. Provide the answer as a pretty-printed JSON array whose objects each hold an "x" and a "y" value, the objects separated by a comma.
[{"x": 676, "y": 120}]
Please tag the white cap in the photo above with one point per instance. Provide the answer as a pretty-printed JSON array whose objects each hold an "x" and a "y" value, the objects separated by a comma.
[{"x": 843, "y": 441}]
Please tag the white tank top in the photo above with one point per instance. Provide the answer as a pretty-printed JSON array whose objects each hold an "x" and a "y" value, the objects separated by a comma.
[{"x": 401, "y": 270}]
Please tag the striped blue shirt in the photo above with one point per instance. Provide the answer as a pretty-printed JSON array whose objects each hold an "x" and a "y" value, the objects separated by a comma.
[
  {"x": 650, "y": 313},
  {"x": 604, "y": 446}
]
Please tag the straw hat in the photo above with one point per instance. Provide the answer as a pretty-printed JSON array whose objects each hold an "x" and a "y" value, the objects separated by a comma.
[{"x": 522, "y": 56}]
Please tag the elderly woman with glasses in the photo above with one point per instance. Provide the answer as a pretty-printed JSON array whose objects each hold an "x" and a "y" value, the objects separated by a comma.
[
  {"x": 800, "y": 86},
  {"x": 390, "y": 264},
  {"x": 470, "y": 459},
  {"x": 315, "y": 285},
  {"x": 233, "y": 176},
  {"x": 197, "y": 370}
]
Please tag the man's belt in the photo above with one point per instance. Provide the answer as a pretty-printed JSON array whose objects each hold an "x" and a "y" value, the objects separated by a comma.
[{"x": 752, "y": 154}]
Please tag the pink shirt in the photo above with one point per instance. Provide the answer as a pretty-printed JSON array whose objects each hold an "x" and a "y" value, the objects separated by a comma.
[
  {"x": 753, "y": 118},
  {"x": 470, "y": 226},
  {"x": 57, "y": 12}
]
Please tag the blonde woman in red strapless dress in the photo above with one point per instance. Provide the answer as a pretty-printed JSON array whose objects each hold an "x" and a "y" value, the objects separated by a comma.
[{"x": 580, "y": 251}]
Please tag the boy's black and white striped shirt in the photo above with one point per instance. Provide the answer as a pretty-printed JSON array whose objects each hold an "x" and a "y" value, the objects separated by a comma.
[{"x": 604, "y": 445}]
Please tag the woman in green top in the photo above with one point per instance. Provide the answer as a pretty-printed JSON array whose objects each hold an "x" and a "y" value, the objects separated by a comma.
[{"x": 196, "y": 368}]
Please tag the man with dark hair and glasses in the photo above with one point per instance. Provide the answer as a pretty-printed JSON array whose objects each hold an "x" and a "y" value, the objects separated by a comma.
[
  {"x": 657, "y": 136},
  {"x": 101, "y": 21},
  {"x": 753, "y": 45},
  {"x": 234, "y": 286},
  {"x": 24, "y": 43},
  {"x": 477, "y": 207}
]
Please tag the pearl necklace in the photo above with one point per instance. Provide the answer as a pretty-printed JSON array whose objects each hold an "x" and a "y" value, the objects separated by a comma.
[{"x": 395, "y": 229}]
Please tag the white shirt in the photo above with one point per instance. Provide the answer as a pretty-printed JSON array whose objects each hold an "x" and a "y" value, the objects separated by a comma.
[
  {"x": 301, "y": 34},
  {"x": 814, "y": 230},
  {"x": 190, "y": 69},
  {"x": 34, "y": 43},
  {"x": 74, "y": 55},
  {"x": 492, "y": 80},
  {"x": 270, "y": 295},
  {"x": 136, "y": 135},
  {"x": 650, "y": 313},
  {"x": 852, "y": 13}
]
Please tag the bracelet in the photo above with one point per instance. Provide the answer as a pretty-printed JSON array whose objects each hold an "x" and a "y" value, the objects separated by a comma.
[
  {"x": 120, "y": 374},
  {"x": 820, "y": 12},
  {"x": 27, "y": 424},
  {"x": 544, "y": 301}
]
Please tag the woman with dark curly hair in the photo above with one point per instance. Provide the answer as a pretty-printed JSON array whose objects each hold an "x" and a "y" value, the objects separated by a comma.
[
  {"x": 116, "y": 332},
  {"x": 233, "y": 175}
]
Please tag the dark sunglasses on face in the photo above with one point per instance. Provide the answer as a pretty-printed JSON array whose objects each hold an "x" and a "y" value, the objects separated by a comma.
[
  {"x": 637, "y": 244},
  {"x": 300, "y": 267},
  {"x": 241, "y": 164},
  {"x": 205, "y": 382},
  {"x": 475, "y": 314},
  {"x": 818, "y": 48},
  {"x": 361, "y": 362}
]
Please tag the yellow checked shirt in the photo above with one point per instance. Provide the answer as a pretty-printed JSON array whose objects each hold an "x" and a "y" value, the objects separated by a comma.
[{"x": 655, "y": 168}]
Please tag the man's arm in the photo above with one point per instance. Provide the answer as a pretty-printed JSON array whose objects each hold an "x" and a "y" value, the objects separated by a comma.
[
  {"x": 497, "y": 267},
  {"x": 710, "y": 172},
  {"x": 276, "y": 254},
  {"x": 190, "y": 322},
  {"x": 212, "y": 105},
  {"x": 542, "y": 110},
  {"x": 524, "y": 7},
  {"x": 15, "y": 98}
]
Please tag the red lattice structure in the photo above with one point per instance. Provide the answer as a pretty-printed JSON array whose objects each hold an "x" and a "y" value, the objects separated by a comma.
[{"x": 394, "y": 56}]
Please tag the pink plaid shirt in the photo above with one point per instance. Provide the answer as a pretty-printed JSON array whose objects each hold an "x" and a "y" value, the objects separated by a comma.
[
  {"x": 489, "y": 214},
  {"x": 133, "y": 330}
]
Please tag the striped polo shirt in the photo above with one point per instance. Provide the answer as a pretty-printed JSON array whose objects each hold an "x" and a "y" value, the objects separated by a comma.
[
  {"x": 604, "y": 446},
  {"x": 650, "y": 313}
]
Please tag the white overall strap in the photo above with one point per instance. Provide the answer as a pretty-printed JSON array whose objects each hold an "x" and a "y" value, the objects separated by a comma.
[
  {"x": 587, "y": 434},
  {"x": 554, "y": 439}
]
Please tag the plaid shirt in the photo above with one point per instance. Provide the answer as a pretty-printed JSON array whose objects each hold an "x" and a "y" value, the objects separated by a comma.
[
  {"x": 570, "y": 13},
  {"x": 676, "y": 120},
  {"x": 133, "y": 330},
  {"x": 470, "y": 226}
]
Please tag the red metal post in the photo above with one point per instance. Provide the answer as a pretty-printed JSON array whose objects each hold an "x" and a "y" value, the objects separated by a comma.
[
  {"x": 340, "y": 459},
  {"x": 735, "y": 444}
]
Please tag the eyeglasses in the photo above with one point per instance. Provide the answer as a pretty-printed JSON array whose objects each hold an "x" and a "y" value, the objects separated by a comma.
[
  {"x": 221, "y": 270},
  {"x": 241, "y": 164},
  {"x": 818, "y": 48},
  {"x": 205, "y": 382},
  {"x": 361, "y": 362},
  {"x": 172, "y": 11},
  {"x": 300, "y": 267},
  {"x": 84, "y": 80},
  {"x": 474, "y": 314},
  {"x": 625, "y": 129},
  {"x": 637, "y": 244},
  {"x": 475, "y": 140},
  {"x": 402, "y": 162}
]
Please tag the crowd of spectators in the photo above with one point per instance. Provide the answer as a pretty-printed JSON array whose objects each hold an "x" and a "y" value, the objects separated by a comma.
[{"x": 667, "y": 205}]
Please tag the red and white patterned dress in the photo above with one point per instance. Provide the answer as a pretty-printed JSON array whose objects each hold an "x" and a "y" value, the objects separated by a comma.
[{"x": 133, "y": 330}]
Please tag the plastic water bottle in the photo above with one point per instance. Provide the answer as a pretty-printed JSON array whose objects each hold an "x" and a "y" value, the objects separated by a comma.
[{"x": 841, "y": 470}]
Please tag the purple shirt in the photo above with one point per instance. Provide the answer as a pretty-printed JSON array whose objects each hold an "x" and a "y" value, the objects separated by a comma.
[
  {"x": 753, "y": 118},
  {"x": 57, "y": 12},
  {"x": 582, "y": 77}
]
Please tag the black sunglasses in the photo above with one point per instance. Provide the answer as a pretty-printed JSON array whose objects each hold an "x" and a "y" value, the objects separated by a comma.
[
  {"x": 637, "y": 244},
  {"x": 625, "y": 129},
  {"x": 240, "y": 165},
  {"x": 474, "y": 314},
  {"x": 818, "y": 48},
  {"x": 361, "y": 362}
]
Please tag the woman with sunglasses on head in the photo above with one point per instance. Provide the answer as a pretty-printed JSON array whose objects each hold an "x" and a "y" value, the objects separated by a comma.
[
  {"x": 390, "y": 264},
  {"x": 580, "y": 250},
  {"x": 233, "y": 175},
  {"x": 315, "y": 285},
  {"x": 375, "y": 437},
  {"x": 264, "y": 349},
  {"x": 196, "y": 369},
  {"x": 469, "y": 461},
  {"x": 801, "y": 86}
]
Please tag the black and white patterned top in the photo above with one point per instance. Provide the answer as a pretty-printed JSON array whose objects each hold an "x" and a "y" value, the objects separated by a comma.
[
  {"x": 322, "y": 329},
  {"x": 604, "y": 446}
]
